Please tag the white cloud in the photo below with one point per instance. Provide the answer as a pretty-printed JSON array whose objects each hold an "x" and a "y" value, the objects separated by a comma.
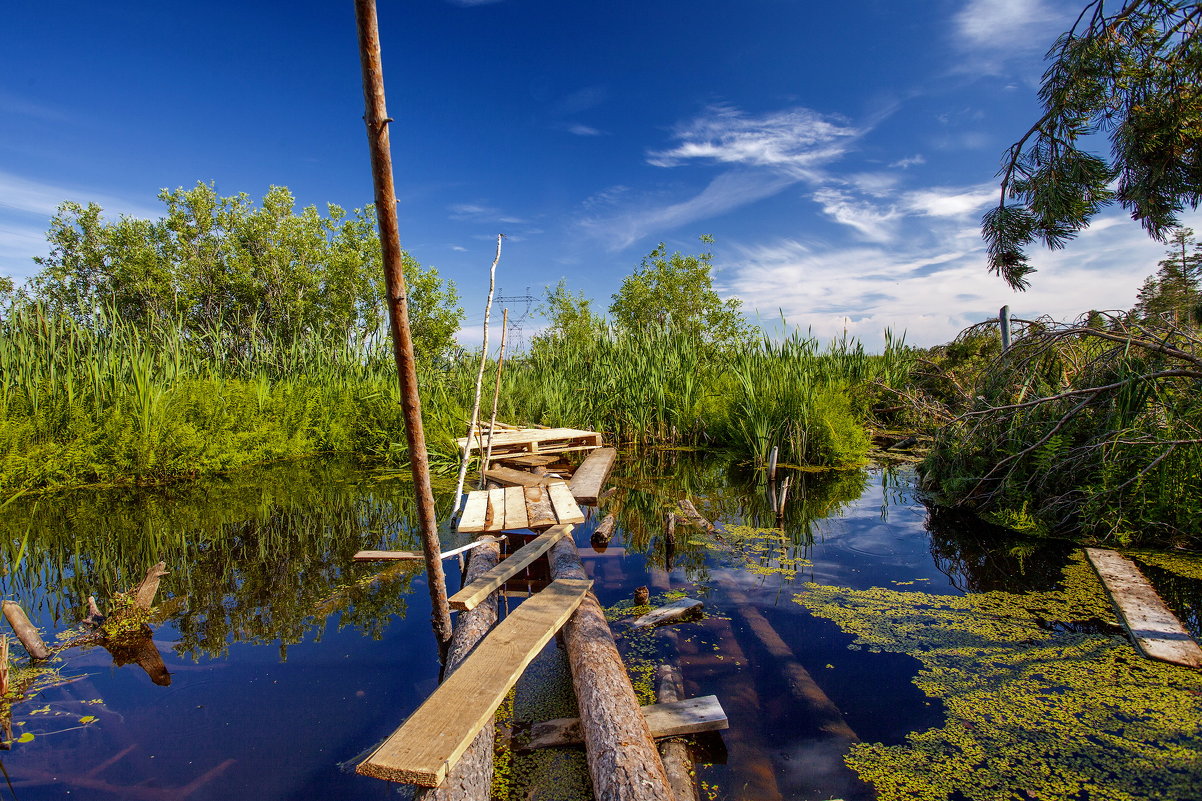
[
  {"x": 935, "y": 283},
  {"x": 872, "y": 221},
  {"x": 584, "y": 130},
  {"x": 990, "y": 34},
  {"x": 910, "y": 161},
  {"x": 793, "y": 140}
]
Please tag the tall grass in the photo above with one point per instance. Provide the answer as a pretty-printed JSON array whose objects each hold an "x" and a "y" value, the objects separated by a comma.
[{"x": 103, "y": 400}]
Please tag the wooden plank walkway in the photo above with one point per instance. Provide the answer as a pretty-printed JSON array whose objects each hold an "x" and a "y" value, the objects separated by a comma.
[
  {"x": 691, "y": 716},
  {"x": 393, "y": 556},
  {"x": 589, "y": 479},
  {"x": 1157, "y": 632},
  {"x": 510, "y": 508},
  {"x": 535, "y": 440},
  {"x": 475, "y": 592},
  {"x": 432, "y": 740}
]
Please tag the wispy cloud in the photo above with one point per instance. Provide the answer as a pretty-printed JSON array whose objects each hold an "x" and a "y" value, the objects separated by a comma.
[
  {"x": 480, "y": 212},
  {"x": 992, "y": 34},
  {"x": 470, "y": 3},
  {"x": 794, "y": 140},
  {"x": 584, "y": 130},
  {"x": 762, "y": 155}
]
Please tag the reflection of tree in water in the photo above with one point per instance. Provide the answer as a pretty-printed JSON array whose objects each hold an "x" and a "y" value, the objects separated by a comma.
[
  {"x": 1177, "y": 578},
  {"x": 652, "y": 484},
  {"x": 981, "y": 557},
  {"x": 262, "y": 557}
]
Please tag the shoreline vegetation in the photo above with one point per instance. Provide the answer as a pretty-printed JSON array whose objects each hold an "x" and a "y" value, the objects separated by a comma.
[{"x": 230, "y": 333}]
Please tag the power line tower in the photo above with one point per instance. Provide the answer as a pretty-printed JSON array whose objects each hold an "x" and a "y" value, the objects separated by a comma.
[{"x": 517, "y": 335}]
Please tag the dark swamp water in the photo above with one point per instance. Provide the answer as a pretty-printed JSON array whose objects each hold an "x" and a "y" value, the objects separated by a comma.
[{"x": 967, "y": 666}]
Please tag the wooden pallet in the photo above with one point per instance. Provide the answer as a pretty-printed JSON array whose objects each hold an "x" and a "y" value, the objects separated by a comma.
[
  {"x": 515, "y": 508},
  {"x": 535, "y": 440},
  {"x": 427, "y": 745}
]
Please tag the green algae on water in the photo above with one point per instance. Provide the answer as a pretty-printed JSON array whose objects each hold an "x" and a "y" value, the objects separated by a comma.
[{"x": 1037, "y": 705}]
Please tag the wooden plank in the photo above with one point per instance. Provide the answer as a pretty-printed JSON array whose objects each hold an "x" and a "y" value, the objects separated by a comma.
[
  {"x": 545, "y": 438},
  {"x": 531, "y": 460},
  {"x": 674, "y": 719},
  {"x": 565, "y": 506},
  {"x": 539, "y": 512},
  {"x": 1157, "y": 632},
  {"x": 434, "y": 737},
  {"x": 519, "y": 560},
  {"x": 475, "y": 512},
  {"x": 589, "y": 479},
  {"x": 394, "y": 556},
  {"x": 515, "y": 508},
  {"x": 496, "y": 510},
  {"x": 515, "y": 478},
  {"x": 671, "y": 611}
]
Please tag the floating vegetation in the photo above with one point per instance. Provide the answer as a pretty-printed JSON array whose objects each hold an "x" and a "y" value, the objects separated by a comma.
[
  {"x": 1033, "y": 710},
  {"x": 763, "y": 551}
]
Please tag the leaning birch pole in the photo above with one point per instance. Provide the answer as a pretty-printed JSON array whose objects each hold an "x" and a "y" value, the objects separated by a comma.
[
  {"x": 377, "y": 119},
  {"x": 471, "y": 426},
  {"x": 496, "y": 396}
]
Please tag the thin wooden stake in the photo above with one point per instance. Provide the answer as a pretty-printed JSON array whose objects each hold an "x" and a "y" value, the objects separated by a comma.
[
  {"x": 376, "y": 118},
  {"x": 772, "y": 463},
  {"x": 496, "y": 395},
  {"x": 471, "y": 426},
  {"x": 3, "y": 664}
]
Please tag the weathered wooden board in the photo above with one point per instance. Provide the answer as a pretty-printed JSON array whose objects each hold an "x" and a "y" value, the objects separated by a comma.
[
  {"x": 589, "y": 479},
  {"x": 676, "y": 609},
  {"x": 496, "y": 510},
  {"x": 539, "y": 512},
  {"x": 432, "y": 740},
  {"x": 515, "y": 478},
  {"x": 530, "y": 460},
  {"x": 1155, "y": 629},
  {"x": 519, "y": 560},
  {"x": 395, "y": 556},
  {"x": 475, "y": 512},
  {"x": 536, "y": 440},
  {"x": 690, "y": 716},
  {"x": 515, "y": 508},
  {"x": 565, "y": 506}
]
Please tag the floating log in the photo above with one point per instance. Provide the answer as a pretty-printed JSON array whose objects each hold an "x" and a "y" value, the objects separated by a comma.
[
  {"x": 678, "y": 761},
  {"x": 801, "y": 684},
  {"x": 589, "y": 479},
  {"x": 1156, "y": 631},
  {"x": 394, "y": 556},
  {"x": 676, "y": 609},
  {"x": 476, "y": 591},
  {"x": 540, "y": 513},
  {"x": 471, "y": 778},
  {"x": 565, "y": 506},
  {"x": 623, "y": 761},
  {"x": 144, "y": 594},
  {"x": 604, "y": 530},
  {"x": 25, "y": 631},
  {"x": 677, "y": 718},
  {"x": 689, "y": 514},
  {"x": 432, "y": 740},
  {"x": 509, "y": 477}
]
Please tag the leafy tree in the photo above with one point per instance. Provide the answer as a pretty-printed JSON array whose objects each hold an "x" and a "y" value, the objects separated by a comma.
[
  {"x": 1174, "y": 292},
  {"x": 228, "y": 265},
  {"x": 573, "y": 322},
  {"x": 1131, "y": 73},
  {"x": 677, "y": 292}
]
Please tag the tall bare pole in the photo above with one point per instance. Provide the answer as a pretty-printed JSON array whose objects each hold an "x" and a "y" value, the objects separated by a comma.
[{"x": 377, "y": 119}]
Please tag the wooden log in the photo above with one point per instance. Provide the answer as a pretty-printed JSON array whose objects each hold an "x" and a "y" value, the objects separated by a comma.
[
  {"x": 509, "y": 477},
  {"x": 623, "y": 761},
  {"x": 589, "y": 479},
  {"x": 565, "y": 506},
  {"x": 25, "y": 631},
  {"x": 539, "y": 511},
  {"x": 689, "y": 514},
  {"x": 515, "y": 509},
  {"x": 432, "y": 740},
  {"x": 144, "y": 594},
  {"x": 604, "y": 530},
  {"x": 1153, "y": 627},
  {"x": 673, "y": 611},
  {"x": 678, "y": 761},
  {"x": 478, "y": 590},
  {"x": 471, "y": 778},
  {"x": 826, "y": 716},
  {"x": 772, "y": 463},
  {"x": 666, "y": 719}
]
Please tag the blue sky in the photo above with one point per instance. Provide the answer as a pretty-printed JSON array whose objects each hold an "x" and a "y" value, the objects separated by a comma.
[{"x": 840, "y": 154}]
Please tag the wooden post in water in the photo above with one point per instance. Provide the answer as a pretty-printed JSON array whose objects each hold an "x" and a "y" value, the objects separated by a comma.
[
  {"x": 377, "y": 119},
  {"x": 25, "y": 631},
  {"x": 1003, "y": 317}
]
